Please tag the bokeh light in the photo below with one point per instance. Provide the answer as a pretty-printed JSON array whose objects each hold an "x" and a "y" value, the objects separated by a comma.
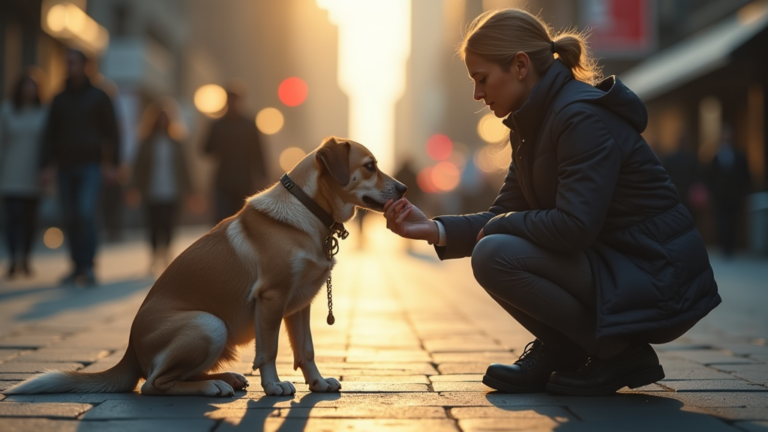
[
  {"x": 56, "y": 16},
  {"x": 290, "y": 157},
  {"x": 424, "y": 179},
  {"x": 445, "y": 176},
  {"x": 210, "y": 99},
  {"x": 439, "y": 147},
  {"x": 270, "y": 120},
  {"x": 292, "y": 91},
  {"x": 53, "y": 238},
  {"x": 491, "y": 129},
  {"x": 493, "y": 158},
  {"x": 458, "y": 156}
]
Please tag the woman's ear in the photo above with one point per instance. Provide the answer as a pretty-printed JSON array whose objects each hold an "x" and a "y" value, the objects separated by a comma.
[
  {"x": 520, "y": 64},
  {"x": 333, "y": 156}
]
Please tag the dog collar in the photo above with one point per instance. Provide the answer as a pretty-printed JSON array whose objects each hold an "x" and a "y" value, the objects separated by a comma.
[{"x": 325, "y": 217}]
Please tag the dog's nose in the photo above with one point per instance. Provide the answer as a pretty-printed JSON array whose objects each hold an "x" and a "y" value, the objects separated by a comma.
[{"x": 401, "y": 188}]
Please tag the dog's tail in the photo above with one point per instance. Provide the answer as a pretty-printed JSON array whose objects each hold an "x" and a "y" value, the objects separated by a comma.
[{"x": 122, "y": 377}]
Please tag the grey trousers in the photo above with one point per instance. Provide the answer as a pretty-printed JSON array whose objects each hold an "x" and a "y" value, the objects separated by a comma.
[{"x": 549, "y": 293}]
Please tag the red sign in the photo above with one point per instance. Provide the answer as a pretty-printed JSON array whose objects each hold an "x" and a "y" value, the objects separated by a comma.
[{"x": 619, "y": 28}]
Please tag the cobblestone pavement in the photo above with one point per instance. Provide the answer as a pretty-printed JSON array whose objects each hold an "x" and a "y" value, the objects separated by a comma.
[{"x": 412, "y": 339}]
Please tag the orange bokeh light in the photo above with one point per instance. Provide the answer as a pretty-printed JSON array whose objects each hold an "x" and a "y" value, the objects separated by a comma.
[
  {"x": 292, "y": 91},
  {"x": 439, "y": 147},
  {"x": 424, "y": 179},
  {"x": 446, "y": 176}
]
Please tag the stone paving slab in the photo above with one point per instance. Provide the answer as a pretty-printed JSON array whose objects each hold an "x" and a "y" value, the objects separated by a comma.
[
  {"x": 410, "y": 412},
  {"x": 51, "y": 410},
  {"x": 415, "y": 379},
  {"x": 710, "y": 357},
  {"x": 61, "y": 355},
  {"x": 752, "y": 426},
  {"x": 481, "y": 357},
  {"x": 713, "y": 385},
  {"x": 28, "y": 341},
  {"x": 453, "y": 368},
  {"x": 15, "y": 376},
  {"x": 459, "y": 386},
  {"x": 7, "y": 354},
  {"x": 734, "y": 413},
  {"x": 351, "y": 425},
  {"x": 460, "y": 377},
  {"x": 754, "y": 373},
  {"x": 37, "y": 367},
  {"x": 175, "y": 425}
]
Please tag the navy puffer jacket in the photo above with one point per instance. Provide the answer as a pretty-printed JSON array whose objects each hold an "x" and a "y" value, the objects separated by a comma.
[{"x": 582, "y": 178}]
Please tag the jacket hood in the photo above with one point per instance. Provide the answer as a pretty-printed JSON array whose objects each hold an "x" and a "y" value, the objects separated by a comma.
[{"x": 558, "y": 89}]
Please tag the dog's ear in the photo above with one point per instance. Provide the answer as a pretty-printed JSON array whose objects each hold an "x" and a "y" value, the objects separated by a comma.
[{"x": 334, "y": 156}]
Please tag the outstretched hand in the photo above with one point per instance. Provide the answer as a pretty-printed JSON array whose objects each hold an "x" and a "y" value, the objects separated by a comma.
[{"x": 407, "y": 220}]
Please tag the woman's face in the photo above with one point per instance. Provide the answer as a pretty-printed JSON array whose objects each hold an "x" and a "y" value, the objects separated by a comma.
[{"x": 503, "y": 91}]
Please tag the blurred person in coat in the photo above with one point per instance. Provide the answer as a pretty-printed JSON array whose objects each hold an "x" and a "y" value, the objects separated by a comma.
[
  {"x": 161, "y": 178},
  {"x": 236, "y": 145},
  {"x": 729, "y": 184},
  {"x": 82, "y": 141},
  {"x": 22, "y": 121}
]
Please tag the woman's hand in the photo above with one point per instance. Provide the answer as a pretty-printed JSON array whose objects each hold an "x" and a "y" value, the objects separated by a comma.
[{"x": 406, "y": 220}]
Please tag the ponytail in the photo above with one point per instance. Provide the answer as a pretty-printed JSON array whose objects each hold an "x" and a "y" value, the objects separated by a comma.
[{"x": 499, "y": 35}]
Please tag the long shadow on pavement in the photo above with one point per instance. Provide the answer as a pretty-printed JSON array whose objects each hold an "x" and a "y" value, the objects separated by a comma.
[
  {"x": 258, "y": 413},
  {"x": 620, "y": 412},
  {"x": 62, "y": 299}
]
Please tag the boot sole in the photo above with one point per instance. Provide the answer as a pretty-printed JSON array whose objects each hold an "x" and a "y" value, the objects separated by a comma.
[
  {"x": 635, "y": 380},
  {"x": 509, "y": 388}
]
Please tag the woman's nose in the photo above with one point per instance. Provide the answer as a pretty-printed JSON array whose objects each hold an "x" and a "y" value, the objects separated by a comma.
[{"x": 478, "y": 94}]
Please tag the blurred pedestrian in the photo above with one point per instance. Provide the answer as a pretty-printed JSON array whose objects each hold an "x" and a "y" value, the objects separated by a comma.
[
  {"x": 683, "y": 168},
  {"x": 81, "y": 141},
  {"x": 586, "y": 245},
  {"x": 22, "y": 122},
  {"x": 729, "y": 184},
  {"x": 161, "y": 177},
  {"x": 236, "y": 145}
]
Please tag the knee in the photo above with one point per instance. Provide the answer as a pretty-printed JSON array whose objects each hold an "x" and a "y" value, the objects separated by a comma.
[{"x": 486, "y": 259}]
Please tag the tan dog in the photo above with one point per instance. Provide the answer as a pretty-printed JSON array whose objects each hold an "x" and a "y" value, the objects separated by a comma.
[{"x": 239, "y": 281}]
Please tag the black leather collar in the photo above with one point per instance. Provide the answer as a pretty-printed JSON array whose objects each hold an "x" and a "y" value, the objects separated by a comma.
[{"x": 325, "y": 217}]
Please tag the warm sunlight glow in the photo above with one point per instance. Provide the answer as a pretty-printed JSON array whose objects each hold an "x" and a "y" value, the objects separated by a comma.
[
  {"x": 53, "y": 238},
  {"x": 290, "y": 157},
  {"x": 446, "y": 176},
  {"x": 439, "y": 147},
  {"x": 210, "y": 99},
  {"x": 493, "y": 158},
  {"x": 67, "y": 21},
  {"x": 374, "y": 44},
  {"x": 491, "y": 129},
  {"x": 270, "y": 121},
  {"x": 292, "y": 91},
  {"x": 424, "y": 179}
]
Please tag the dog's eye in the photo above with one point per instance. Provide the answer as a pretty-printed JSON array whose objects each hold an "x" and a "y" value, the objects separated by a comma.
[{"x": 370, "y": 166}]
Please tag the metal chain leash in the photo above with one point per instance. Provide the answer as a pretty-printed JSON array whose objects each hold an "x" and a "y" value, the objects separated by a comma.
[{"x": 331, "y": 249}]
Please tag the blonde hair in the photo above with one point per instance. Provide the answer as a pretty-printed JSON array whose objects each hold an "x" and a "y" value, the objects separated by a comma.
[
  {"x": 498, "y": 35},
  {"x": 150, "y": 116}
]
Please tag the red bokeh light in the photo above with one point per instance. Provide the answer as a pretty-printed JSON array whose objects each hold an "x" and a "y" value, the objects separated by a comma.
[
  {"x": 439, "y": 147},
  {"x": 424, "y": 179},
  {"x": 292, "y": 91}
]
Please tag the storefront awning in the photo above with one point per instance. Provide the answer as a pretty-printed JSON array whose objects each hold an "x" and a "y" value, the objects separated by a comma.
[{"x": 698, "y": 55}]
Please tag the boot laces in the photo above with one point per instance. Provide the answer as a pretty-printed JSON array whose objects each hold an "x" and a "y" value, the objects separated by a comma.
[{"x": 532, "y": 355}]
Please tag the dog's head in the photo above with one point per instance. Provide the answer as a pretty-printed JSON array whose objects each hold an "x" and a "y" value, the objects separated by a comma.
[{"x": 349, "y": 171}]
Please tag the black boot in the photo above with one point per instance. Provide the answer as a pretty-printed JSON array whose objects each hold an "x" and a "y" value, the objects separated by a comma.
[
  {"x": 634, "y": 367},
  {"x": 531, "y": 371}
]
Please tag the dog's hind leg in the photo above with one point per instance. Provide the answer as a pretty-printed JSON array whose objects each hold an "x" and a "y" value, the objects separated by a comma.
[
  {"x": 193, "y": 343},
  {"x": 300, "y": 336}
]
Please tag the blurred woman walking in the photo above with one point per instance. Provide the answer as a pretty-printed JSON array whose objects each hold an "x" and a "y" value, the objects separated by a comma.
[
  {"x": 22, "y": 121},
  {"x": 160, "y": 176}
]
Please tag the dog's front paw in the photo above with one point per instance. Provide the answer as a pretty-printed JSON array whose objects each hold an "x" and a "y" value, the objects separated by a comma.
[
  {"x": 284, "y": 388},
  {"x": 325, "y": 385}
]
